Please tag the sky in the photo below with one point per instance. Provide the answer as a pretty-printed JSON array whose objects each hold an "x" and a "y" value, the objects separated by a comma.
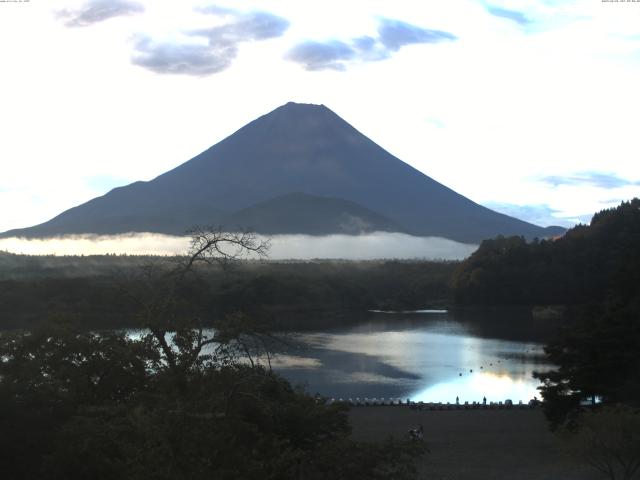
[{"x": 528, "y": 107}]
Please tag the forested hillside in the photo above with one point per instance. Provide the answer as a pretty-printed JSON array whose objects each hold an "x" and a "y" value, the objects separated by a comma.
[{"x": 587, "y": 264}]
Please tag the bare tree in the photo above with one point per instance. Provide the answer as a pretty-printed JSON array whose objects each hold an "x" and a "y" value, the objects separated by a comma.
[
  {"x": 211, "y": 245},
  {"x": 181, "y": 338}
]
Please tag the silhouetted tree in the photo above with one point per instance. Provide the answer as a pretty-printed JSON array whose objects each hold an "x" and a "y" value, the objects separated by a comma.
[{"x": 597, "y": 357}]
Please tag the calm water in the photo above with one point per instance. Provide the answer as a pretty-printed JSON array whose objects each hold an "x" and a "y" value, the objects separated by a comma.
[{"x": 429, "y": 356}]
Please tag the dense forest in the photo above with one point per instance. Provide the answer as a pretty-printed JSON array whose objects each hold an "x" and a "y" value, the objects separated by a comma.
[
  {"x": 586, "y": 265},
  {"x": 100, "y": 291}
]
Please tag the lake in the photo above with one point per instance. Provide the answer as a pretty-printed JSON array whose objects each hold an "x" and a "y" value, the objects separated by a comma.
[{"x": 429, "y": 355}]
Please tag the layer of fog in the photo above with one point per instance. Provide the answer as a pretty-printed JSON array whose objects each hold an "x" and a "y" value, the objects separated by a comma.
[{"x": 303, "y": 247}]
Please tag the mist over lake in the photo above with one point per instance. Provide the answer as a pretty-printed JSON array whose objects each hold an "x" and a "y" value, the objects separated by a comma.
[{"x": 352, "y": 247}]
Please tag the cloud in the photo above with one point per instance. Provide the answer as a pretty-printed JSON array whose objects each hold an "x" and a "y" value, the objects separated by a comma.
[
  {"x": 95, "y": 11},
  {"x": 252, "y": 26},
  {"x": 542, "y": 215},
  {"x": 215, "y": 10},
  {"x": 513, "y": 15},
  {"x": 353, "y": 247},
  {"x": 370, "y": 49},
  {"x": 207, "y": 51},
  {"x": 182, "y": 58},
  {"x": 321, "y": 56},
  {"x": 365, "y": 43},
  {"x": 594, "y": 179},
  {"x": 395, "y": 34},
  {"x": 338, "y": 55}
]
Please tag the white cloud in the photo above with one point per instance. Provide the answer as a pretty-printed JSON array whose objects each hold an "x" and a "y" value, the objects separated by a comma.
[{"x": 96, "y": 11}]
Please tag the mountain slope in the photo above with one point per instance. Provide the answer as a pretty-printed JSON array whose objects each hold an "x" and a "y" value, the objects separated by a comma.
[
  {"x": 311, "y": 215},
  {"x": 295, "y": 148}
]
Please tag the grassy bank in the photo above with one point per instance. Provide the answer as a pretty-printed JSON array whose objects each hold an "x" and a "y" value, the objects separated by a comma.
[{"x": 476, "y": 444}]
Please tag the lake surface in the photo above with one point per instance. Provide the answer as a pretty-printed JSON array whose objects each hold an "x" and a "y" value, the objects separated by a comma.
[{"x": 430, "y": 356}]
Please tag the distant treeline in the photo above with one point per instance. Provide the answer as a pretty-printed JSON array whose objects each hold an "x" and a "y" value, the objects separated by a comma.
[
  {"x": 100, "y": 291},
  {"x": 30, "y": 267},
  {"x": 586, "y": 265}
]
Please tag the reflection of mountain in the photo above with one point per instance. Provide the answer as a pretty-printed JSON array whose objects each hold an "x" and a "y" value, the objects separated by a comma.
[
  {"x": 345, "y": 374},
  {"x": 348, "y": 184}
]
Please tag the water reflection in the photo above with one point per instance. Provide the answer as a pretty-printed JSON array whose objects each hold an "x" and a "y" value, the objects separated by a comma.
[
  {"x": 429, "y": 357},
  {"x": 492, "y": 386},
  {"x": 293, "y": 361},
  {"x": 425, "y": 356}
]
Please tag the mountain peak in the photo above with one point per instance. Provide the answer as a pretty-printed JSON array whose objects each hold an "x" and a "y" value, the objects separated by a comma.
[
  {"x": 300, "y": 106},
  {"x": 296, "y": 125},
  {"x": 293, "y": 109}
]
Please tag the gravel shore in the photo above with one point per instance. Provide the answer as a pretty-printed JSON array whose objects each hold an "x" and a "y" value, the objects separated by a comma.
[{"x": 476, "y": 444}]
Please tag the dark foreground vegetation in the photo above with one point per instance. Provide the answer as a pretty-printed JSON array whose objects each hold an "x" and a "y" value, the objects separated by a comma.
[
  {"x": 173, "y": 403},
  {"x": 81, "y": 405}
]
